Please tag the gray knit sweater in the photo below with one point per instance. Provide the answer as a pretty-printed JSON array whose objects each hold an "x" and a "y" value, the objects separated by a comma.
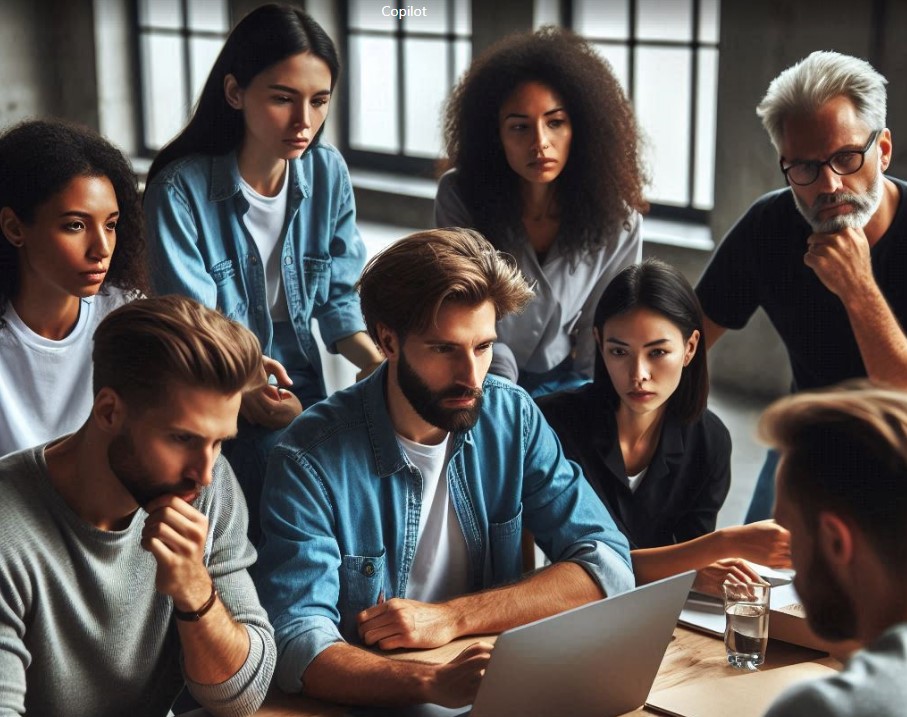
[{"x": 82, "y": 629}]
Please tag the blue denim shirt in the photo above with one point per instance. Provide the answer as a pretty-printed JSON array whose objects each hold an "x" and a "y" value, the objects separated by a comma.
[
  {"x": 341, "y": 504},
  {"x": 200, "y": 247}
]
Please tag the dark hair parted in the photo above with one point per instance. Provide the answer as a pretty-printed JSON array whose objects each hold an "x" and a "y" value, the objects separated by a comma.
[
  {"x": 405, "y": 286},
  {"x": 146, "y": 347},
  {"x": 661, "y": 288},
  {"x": 603, "y": 178},
  {"x": 38, "y": 159},
  {"x": 267, "y": 35},
  {"x": 844, "y": 450}
]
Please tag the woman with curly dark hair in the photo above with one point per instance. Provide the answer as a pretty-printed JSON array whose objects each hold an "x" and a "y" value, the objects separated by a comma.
[
  {"x": 72, "y": 250},
  {"x": 545, "y": 155}
]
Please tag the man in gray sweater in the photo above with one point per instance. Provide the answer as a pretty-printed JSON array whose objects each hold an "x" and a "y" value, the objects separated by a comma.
[
  {"x": 842, "y": 493},
  {"x": 123, "y": 549}
]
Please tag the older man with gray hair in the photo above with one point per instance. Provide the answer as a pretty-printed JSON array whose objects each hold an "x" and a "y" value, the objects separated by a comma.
[{"x": 824, "y": 257}]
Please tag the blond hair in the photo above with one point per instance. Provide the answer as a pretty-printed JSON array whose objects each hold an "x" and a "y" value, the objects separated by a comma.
[
  {"x": 405, "y": 286},
  {"x": 145, "y": 347}
]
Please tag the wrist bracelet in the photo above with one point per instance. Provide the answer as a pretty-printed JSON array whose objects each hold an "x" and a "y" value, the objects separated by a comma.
[{"x": 196, "y": 615}]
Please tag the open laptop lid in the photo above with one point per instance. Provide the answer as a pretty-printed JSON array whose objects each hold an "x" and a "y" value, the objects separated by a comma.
[{"x": 596, "y": 660}]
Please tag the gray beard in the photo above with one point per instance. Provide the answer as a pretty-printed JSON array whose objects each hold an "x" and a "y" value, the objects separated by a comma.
[{"x": 865, "y": 206}]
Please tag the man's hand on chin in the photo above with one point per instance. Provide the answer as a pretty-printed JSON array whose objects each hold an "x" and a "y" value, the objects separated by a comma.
[
  {"x": 175, "y": 534},
  {"x": 841, "y": 261}
]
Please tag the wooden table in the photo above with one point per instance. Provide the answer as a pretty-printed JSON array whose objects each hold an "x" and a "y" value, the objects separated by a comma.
[{"x": 690, "y": 656}]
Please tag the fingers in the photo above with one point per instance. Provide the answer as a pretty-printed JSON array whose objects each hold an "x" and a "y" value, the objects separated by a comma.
[
  {"x": 275, "y": 368},
  {"x": 475, "y": 649}
]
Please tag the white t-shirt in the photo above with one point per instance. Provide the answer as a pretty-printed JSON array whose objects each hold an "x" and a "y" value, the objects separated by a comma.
[
  {"x": 264, "y": 220},
  {"x": 440, "y": 567},
  {"x": 45, "y": 385},
  {"x": 634, "y": 481}
]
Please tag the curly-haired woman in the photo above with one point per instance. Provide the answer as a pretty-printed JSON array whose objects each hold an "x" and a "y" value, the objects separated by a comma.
[
  {"x": 72, "y": 249},
  {"x": 544, "y": 150}
]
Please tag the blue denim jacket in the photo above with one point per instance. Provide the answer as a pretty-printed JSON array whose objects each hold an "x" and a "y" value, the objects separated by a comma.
[
  {"x": 341, "y": 503},
  {"x": 199, "y": 246}
]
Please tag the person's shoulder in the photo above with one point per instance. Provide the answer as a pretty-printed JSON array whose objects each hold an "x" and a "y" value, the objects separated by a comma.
[
  {"x": 113, "y": 297},
  {"x": 191, "y": 168},
  {"x": 22, "y": 503},
  {"x": 325, "y": 156},
  {"x": 329, "y": 424}
]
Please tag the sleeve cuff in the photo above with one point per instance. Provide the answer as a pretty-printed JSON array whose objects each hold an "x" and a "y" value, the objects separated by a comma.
[
  {"x": 243, "y": 693},
  {"x": 299, "y": 652},
  {"x": 605, "y": 566}
]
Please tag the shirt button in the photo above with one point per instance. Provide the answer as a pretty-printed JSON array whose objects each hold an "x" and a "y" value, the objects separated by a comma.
[
  {"x": 288, "y": 260},
  {"x": 253, "y": 258},
  {"x": 368, "y": 569}
]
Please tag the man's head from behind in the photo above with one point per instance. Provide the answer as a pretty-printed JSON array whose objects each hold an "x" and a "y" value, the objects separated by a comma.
[
  {"x": 826, "y": 117},
  {"x": 430, "y": 302},
  {"x": 168, "y": 376},
  {"x": 842, "y": 492}
]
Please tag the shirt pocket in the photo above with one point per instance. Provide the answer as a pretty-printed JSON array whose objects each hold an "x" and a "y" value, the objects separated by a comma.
[
  {"x": 316, "y": 272},
  {"x": 361, "y": 585},
  {"x": 505, "y": 547},
  {"x": 229, "y": 300}
]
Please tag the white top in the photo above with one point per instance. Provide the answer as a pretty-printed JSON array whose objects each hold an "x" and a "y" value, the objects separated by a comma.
[
  {"x": 441, "y": 565},
  {"x": 634, "y": 481},
  {"x": 567, "y": 290},
  {"x": 45, "y": 385},
  {"x": 264, "y": 220}
]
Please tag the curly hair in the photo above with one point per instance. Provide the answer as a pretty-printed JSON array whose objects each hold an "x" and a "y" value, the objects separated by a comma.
[
  {"x": 38, "y": 159},
  {"x": 602, "y": 182}
]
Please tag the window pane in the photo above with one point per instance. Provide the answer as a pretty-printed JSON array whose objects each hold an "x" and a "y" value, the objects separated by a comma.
[
  {"x": 160, "y": 13},
  {"x": 706, "y": 112},
  {"x": 164, "y": 89},
  {"x": 202, "y": 53},
  {"x": 709, "y": 20},
  {"x": 373, "y": 94},
  {"x": 664, "y": 20},
  {"x": 425, "y": 63},
  {"x": 366, "y": 15},
  {"x": 463, "y": 17},
  {"x": 618, "y": 56},
  {"x": 604, "y": 19},
  {"x": 662, "y": 100},
  {"x": 433, "y": 20},
  {"x": 208, "y": 15},
  {"x": 462, "y": 57}
]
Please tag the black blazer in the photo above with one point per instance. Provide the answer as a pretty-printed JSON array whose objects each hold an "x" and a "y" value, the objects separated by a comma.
[{"x": 684, "y": 487}]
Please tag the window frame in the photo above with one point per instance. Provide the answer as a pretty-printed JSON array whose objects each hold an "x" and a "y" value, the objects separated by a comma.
[
  {"x": 400, "y": 161},
  {"x": 186, "y": 34}
]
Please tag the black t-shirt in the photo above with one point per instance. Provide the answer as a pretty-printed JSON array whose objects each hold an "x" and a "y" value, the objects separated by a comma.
[
  {"x": 686, "y": 481},
  {"x": 760, "y": 263}
]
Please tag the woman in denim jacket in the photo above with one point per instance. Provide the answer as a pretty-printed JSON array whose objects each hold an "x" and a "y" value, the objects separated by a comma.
[{"x": 249, "y": 212}]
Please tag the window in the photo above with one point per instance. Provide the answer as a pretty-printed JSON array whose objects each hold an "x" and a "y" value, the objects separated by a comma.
[
  {"x": 666, "y": 56},
  {"x": 178, "y": 43},
  {"x": 400, "y": 71}
]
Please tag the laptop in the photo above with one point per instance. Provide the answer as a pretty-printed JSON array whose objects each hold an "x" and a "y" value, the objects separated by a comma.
[{"x": 597, "y": 660}]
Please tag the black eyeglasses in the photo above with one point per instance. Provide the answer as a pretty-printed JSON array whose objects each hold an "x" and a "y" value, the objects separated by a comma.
[{"x": 846, "y": 162}]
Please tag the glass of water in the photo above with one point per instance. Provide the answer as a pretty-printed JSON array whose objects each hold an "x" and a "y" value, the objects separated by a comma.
[{"x": 746, "y": 629}]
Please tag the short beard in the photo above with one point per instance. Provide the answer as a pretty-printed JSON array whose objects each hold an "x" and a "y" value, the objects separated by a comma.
[
  {"x": 134, "y": 476},
  {"x": 427, "y": 403},
  {"x": 865, "y": 206}
]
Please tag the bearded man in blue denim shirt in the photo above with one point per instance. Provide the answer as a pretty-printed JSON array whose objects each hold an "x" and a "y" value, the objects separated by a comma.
[{"x": 392, "y": 512}]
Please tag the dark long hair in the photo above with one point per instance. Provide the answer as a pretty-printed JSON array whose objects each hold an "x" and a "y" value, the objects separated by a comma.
[
  {"x": 603, "y": 179},
  {"x": 267, "y": 35},
  {"x": 38, "y": 159},
  {"x": 661, "y": 288}
]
